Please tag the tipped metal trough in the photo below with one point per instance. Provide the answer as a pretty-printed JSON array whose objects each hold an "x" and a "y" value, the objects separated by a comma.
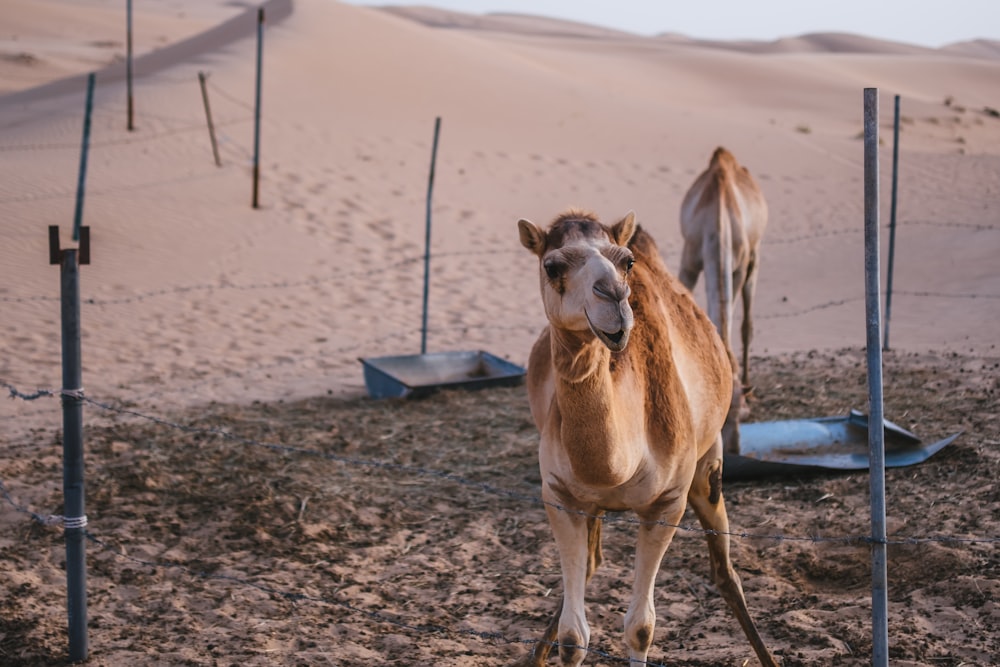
[
  {"x": 824, "y": 444},
  {"x": 417, "y": 375}
]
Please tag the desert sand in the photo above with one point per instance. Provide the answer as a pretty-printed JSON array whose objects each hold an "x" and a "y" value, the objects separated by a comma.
[{"x": 193, "y": 298}]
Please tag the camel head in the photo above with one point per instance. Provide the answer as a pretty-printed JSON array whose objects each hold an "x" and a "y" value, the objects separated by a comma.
[{"x": 584, "y": 268}]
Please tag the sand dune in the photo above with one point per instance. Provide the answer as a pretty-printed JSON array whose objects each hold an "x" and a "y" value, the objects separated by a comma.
[
  {"x": 977, "y": 48},
  {"x": 434, "y": 17},
  {"x": 196, "y": 296},
  {"x": 46, "y": 40}
]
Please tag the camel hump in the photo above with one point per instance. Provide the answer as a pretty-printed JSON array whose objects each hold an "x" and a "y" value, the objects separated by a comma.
[
  {"x": 642, "y": 243},
  {"x": 722, "y": 158},
  {"x": 646, "y": 251}
]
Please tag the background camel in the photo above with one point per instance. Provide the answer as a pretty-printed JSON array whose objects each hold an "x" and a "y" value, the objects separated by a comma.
[
  {"x": 723, "y": 217},
  {"x": 629, "y": 386}
]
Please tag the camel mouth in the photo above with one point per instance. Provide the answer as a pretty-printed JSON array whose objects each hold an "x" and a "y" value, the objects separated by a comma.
[{"x": 614, "y": 341}]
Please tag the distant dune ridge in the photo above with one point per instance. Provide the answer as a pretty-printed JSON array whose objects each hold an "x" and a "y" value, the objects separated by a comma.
[
  {"x": 40, "y": 46},
  {"x": 826, "y": 42}
]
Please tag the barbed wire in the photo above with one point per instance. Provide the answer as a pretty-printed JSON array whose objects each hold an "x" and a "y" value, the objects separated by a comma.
[
  {"x": 811, "y": 237},
  {"x": 206, "y": 287},
  {"x": 960, "y": 225},
  {"x": 229, "y": 96},
  {"x": 944, "y": 295},
  {"x": 45, "y": 520},
  {"x": 396, "y": 621},
  {"x": 111, "y": 110},
  {"x": 135, "y": 138},
  {"x": 380, "y": 616},
  {"x": 811, "y": 309},
  {"x": 213, "y": 172},
  {"x": 309, "y": 282},
  {"x": 33, "y": 396},
  {"x": 420, "y": 471},
  {"x": 859, "y": 231}
]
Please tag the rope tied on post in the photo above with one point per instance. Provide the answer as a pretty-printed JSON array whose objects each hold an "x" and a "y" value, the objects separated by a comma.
[{"x": 67, "y": 522}]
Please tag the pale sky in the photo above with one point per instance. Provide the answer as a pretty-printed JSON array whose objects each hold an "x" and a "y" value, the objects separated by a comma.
[{"x": 931, "y": 23}]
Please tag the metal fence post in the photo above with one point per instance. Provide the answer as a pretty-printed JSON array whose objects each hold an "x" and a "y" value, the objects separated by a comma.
[
  {"x": 75, "y": 519},
  {"x": 876, "y": 428},
  {"x": 892, "y": 224},
  {"x": 256, "y": 113},
  {"x": 427, "y": 237},
  {"x": 202, "y": 79},
  {"x": 128, "y": 62},
  {"x": 81, "y": 182}
]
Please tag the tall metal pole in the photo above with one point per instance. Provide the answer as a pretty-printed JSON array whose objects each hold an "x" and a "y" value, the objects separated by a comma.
[
  {"x": 128, "y": 62},
  {"x": 256, "y": 124},
  {"x": 892, "y": 223},
  {"x": 876, "y": 429},
  {"x": 427, "y": 236},
  {"x": 81, "y": 182},
  {"x": 75, "y": 520}
]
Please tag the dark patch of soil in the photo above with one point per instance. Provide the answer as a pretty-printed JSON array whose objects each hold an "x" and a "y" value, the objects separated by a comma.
[{"x": 334, "y": 532}]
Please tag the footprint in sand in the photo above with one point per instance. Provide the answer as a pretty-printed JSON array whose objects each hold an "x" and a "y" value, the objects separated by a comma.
[{"x": 383, "y": 229}]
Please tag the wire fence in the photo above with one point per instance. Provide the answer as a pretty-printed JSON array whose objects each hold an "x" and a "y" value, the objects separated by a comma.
[
  {"x": 431, "y": 475},
  {"x": 416, "y": 259},
  {"x": 435, "y": 474}
]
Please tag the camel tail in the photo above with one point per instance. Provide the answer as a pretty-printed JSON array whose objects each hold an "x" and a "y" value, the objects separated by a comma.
[{"x": 721, "y": 251}]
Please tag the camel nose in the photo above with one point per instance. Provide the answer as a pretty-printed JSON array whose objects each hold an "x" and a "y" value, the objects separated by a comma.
[{"x": 613, "y": 292}]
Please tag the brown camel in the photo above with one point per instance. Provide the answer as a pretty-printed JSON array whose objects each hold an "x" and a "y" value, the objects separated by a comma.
[
  {"x": 723, "y": 217},
  {"x": 629, "y": 386}
]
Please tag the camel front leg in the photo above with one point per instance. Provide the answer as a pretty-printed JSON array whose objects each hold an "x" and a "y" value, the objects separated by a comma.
[
  {"x": 656, "y": 531},
  {"x": 540, "y": 653},
  {"x": 706, "y": 499},
  {"x": 573, "y": 530}
]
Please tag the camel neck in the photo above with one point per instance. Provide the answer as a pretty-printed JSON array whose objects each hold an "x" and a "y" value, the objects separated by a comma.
[
  {"x": 585, "y": 390},
  {"x": 577, "y": 355}
]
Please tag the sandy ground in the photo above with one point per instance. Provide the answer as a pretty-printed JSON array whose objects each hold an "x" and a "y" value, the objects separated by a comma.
[
  {"x": 349, "y": 531},
  {"x": 200, "y": 307}
]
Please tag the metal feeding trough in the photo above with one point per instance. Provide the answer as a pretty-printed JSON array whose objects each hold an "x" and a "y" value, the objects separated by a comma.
[
  {"x": 824, "y": 444},
  {"x": 417, "y": 375}
]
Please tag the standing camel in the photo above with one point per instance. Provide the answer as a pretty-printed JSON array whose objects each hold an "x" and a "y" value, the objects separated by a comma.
[
  {"x": 723, "y": 217},
  {"x": 629, "y": 386}
]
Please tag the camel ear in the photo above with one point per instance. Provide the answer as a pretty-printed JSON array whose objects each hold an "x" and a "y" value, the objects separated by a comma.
[
  {"x": 624, "y": 229},
  {"x": 532, "y": 237}
]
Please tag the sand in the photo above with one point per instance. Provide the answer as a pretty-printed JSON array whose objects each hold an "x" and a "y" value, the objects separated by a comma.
[{"x": 193, "y": 296}]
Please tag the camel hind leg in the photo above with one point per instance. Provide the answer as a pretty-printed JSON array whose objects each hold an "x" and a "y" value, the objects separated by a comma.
[
  {"x": 705, "y": 498},
  {"x": 595, "y": 556},
  {"x": 749, "y": 288},
  {"x": 691, "y": 264}
]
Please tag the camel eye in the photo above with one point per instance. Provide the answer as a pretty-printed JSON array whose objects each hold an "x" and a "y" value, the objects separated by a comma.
[
  {"x": 552, "y": 268},
  {"x": 629, "y": 263}
]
